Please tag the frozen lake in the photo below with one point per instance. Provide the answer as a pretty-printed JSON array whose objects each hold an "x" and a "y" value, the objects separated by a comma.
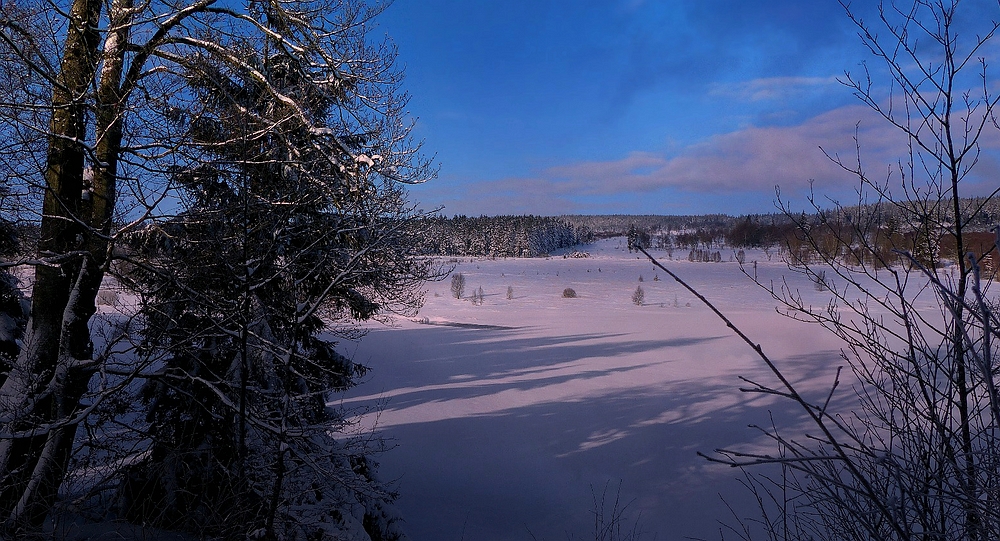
[{"x": 508, "y": 416}]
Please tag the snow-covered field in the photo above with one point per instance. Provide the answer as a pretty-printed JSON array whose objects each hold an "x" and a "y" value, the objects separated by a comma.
[{"x": 507, "y": 417}]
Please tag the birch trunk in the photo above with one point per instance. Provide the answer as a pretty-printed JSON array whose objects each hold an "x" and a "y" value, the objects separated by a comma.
[{"x": 42, "y": 392}]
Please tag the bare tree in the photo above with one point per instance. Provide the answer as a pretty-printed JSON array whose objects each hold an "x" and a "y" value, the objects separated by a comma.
[
  {"x": 915, "y": 453},
  {"x": 458, "y": 285}
]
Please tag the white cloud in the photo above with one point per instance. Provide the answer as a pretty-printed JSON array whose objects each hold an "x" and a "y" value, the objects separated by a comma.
[
  {"x": 749, "y": 161},
  {"x": 770, "y": 88}
]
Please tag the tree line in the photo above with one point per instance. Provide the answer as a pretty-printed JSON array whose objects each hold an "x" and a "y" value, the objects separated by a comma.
[
  {"x": 497, "y": 236},
  {"x": 852, "y": 234}
]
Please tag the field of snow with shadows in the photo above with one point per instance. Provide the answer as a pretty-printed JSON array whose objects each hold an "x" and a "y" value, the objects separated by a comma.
[{"x": 508, "y": 417}]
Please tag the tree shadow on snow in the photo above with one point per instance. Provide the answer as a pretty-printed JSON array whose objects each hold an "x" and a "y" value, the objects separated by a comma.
[{"x": 518, "y": 465}]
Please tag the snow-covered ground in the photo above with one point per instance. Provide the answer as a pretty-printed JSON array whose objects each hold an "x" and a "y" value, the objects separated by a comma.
[{"x": 508, "y": 416}]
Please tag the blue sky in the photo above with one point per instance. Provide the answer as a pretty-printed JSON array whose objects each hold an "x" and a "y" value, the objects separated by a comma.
[{"x": 632, "y": 106}]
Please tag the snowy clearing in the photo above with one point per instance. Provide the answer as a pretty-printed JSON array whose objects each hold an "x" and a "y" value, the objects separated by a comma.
[{"x": 508, "y": 416}]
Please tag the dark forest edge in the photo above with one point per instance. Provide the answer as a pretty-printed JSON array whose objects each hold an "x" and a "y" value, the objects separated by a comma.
[{"x": 887, "y": 226}]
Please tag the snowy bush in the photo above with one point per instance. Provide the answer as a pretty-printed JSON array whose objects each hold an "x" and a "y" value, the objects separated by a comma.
[{"x": 569, "y": 293}]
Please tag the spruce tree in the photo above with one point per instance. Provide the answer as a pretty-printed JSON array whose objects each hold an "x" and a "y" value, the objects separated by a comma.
[{"x": 286, "y": 230}]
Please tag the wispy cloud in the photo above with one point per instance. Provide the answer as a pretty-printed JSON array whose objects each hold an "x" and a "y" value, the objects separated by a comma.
[
  {"x": 747, "y": 162},
  {"x": 771, "y": 88}
]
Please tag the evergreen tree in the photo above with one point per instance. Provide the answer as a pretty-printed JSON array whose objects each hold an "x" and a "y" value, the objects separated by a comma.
[
  {"x": 638, "y": 296},
  {"x": 286, "y": 229}
]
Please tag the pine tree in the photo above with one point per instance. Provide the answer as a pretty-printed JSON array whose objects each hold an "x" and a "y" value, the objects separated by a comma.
[
  {"x": 638, "y": 296},
  {"x": 278, "y": 240}
]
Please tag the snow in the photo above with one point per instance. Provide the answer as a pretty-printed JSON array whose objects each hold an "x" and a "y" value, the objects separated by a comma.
[{"x": 507, "y": 417}]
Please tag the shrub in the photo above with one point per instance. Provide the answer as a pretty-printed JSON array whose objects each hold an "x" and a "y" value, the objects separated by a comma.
[
  {"x": 569, "y": 293},
  {"x": 510, "y": 292},
  {"x": 638, "y": 296}
]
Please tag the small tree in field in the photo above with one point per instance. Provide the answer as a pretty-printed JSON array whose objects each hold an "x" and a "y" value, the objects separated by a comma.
[
  {"x": 638, "y": 296},
  {"x": 478, "y": 297},
  {"x": 457, "y": 285}
]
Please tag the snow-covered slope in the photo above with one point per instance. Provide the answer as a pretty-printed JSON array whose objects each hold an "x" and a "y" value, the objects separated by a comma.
[{"x": 508, "y": 416}]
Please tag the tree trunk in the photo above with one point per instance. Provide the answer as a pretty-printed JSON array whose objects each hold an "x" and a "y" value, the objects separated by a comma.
[{"x": 54, "y": 367}]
